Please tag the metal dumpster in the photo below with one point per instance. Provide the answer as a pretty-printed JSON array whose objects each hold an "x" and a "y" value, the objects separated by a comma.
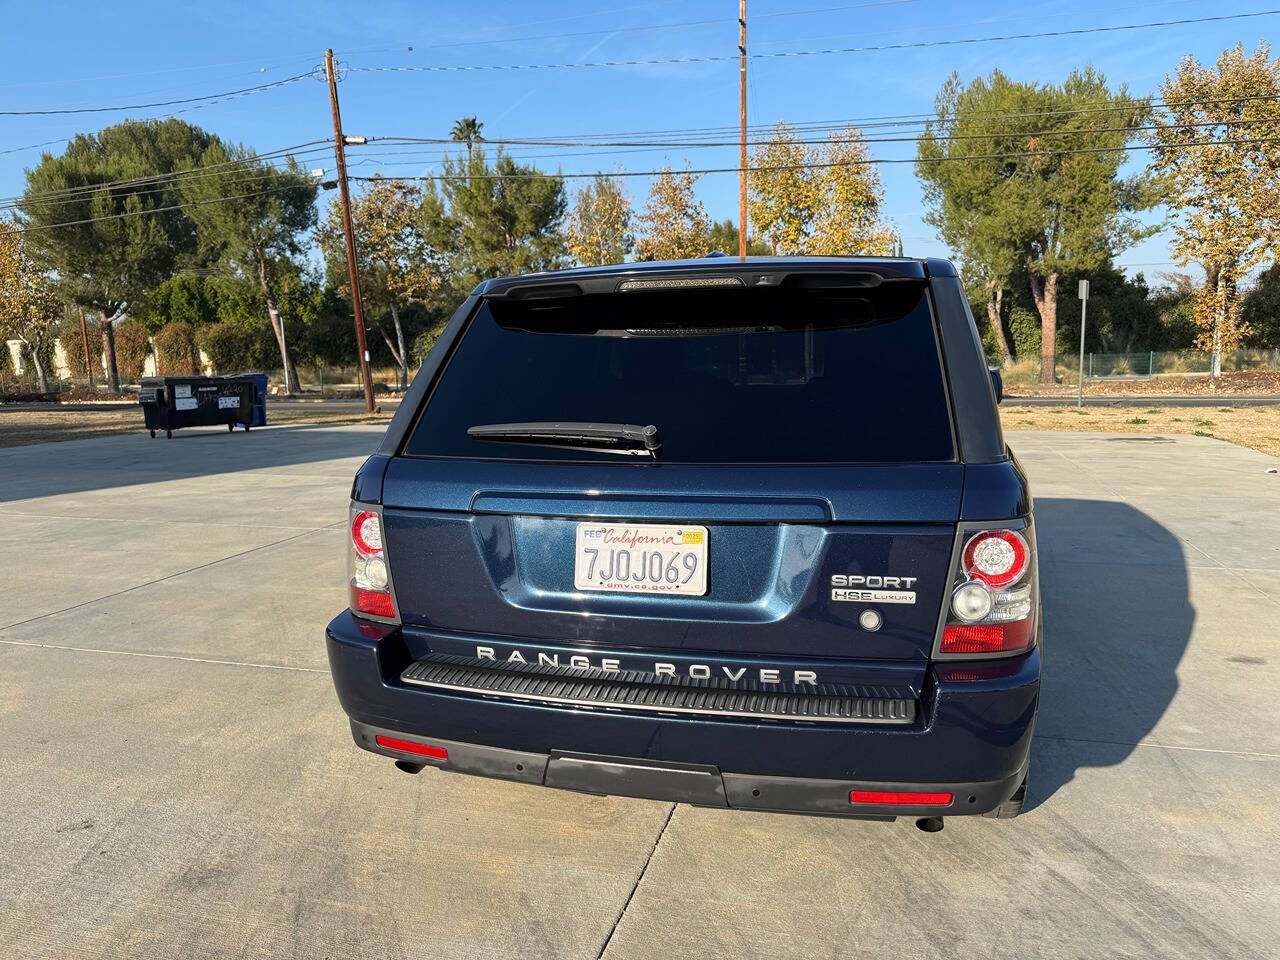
[{"x": 169, "y": 403}]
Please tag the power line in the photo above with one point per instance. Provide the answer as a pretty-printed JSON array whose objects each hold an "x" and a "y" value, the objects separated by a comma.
[
  {"x": 762, "y": 141},
  {"x": 245, "y": 91},
  {"x": 830, "y": 51},
  {"x": 300, "y": 149},
  {"x": 891, "y": 122},
  {"x": 140, "y": 213},
  {"x": 870, "y": 161},
  {"x": 713, "y": 21}
]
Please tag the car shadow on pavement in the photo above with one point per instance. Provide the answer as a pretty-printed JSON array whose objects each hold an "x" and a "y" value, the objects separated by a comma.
[
  {"x": 46, "y": 470},
  {"x": 1117, "y": 620}
]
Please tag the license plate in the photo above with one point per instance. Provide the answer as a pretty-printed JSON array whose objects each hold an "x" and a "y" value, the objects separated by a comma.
[{"x": 641, "y": 558}]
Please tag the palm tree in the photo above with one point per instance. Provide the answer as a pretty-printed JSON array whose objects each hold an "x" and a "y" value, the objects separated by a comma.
[{"x": 467, "y": 130}]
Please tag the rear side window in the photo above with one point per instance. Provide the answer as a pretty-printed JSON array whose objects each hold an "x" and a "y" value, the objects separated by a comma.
[{"x": 727, "y": 376}]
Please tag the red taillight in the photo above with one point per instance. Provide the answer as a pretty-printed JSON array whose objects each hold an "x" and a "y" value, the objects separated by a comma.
[
  {"x": 408, "y": 746},
  {"x": 892, "y": 798},
  {"x": 996, "y": 557},
  {"x": 367, "y": 566},
  {"x": 366, "y": 533},
  {"x": 986, "y": 637},
  {"x": 373, "y": 602}
]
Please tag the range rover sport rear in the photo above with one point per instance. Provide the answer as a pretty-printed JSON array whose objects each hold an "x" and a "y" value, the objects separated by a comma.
[{"x": 733, "y": 534}]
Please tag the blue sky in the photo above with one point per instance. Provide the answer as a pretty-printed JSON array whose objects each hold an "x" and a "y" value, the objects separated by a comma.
[{"x": 65, "y": 55}]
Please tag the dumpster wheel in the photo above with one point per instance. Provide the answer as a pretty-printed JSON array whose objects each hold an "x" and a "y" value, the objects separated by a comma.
[{"x": 153, "y": 434}]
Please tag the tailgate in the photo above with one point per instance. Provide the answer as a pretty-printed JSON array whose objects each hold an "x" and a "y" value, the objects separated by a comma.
[{"x": 477, "y": 556}]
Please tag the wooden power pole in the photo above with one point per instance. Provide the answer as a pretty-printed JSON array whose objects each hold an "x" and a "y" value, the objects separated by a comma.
[
  {"x": 84, "y": 335},
  {"x": 742, "y": 129},
  {"x": 348, "y": 230}
]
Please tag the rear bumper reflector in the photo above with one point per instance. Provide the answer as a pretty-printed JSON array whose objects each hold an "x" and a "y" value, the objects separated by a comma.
[
  {"x": 899, "y": 798},
  {"x": 658, "y": 698},
  {"x": 409, "y": 746}
]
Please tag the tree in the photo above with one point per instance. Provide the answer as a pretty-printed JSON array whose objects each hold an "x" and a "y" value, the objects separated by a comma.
[
  {"x": 600, "y": 224},
  {"x": 185, "y": 297},
  {"x": 962, "y": 187},
  {"x": 396, "y": 265},
  {"x": 1043, "y": 172},
  {"x": 493, "y": 220},
  {"x": 822, "y": 200},
  {"x": 72, "y": 340},
  {"x": 674, "y": 224},
  {"x": 132, "y": 348},
  {"x": 848, "y": 217},
  {"x": 259, "y": 233},
  {"x": 109, "y": 215},
  {"x": 724, "y": 238},
  {"x": 176, "y": 350},
  {"x": 1260, "y": 310},
  {"x": 1217, "y": 155},
  {"x": 467, "y": 130},
  {"x": 29, "y": 307}
]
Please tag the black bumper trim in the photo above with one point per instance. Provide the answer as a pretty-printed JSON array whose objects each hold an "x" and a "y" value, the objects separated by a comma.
[
  {"x": 697, "y": 784},
  {"x": 578, "y": 691}
]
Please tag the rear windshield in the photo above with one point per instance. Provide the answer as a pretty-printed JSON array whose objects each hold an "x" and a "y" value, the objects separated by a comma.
[{"x": 751, "y": 376}]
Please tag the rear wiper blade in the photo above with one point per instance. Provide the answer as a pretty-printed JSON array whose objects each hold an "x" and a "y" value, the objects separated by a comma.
[{"x": 623, "y": 438}]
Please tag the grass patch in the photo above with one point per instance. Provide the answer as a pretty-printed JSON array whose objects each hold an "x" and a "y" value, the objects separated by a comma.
[{"x": 1256, "y": 427}]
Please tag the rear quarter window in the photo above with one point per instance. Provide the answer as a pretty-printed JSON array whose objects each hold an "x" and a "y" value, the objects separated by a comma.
[{"x": 727, "y": 376}]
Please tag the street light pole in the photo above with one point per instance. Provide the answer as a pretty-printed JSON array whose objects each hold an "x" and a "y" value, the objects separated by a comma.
[
  {"x": 1084, "y": 303},
  {"x": 348, "y": 230}
]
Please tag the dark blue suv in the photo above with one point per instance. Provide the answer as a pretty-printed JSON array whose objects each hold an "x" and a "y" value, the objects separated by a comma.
[{"x": 736, "y": 534}]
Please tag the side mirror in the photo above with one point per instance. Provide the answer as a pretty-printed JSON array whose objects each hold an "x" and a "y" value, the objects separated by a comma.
[{"x": 997, "y": 382}]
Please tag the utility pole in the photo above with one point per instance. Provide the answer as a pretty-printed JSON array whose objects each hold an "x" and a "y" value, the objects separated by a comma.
[
  {"x": 339, "y": 147},
  {"x": 84, "y": 335},
  {"x": 742, "y": 129},
  {"x": 1084, "y": 303}
]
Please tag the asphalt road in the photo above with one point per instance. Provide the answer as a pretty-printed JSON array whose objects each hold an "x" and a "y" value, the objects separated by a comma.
[{"x": 178, "y": 780}]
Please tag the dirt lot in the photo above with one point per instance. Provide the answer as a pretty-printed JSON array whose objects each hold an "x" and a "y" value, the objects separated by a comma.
[
  {"x": 1256, "y": 427},
  {"x": 19, "y": 427},
  {"x": 1262, "y": 382}
]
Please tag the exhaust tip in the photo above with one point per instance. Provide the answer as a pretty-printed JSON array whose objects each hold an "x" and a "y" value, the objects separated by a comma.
[
  {"x": 408, "y": 767},
  {"x": 927, "y": 824}
]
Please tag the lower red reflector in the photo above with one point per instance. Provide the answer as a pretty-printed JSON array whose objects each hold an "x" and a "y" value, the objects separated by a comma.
[
  {"x": 408, "y": 746},
  {"x": 898, "y": 798},
  {"x": 372, "y": 601},
  {"x": 986, "y": 637}
]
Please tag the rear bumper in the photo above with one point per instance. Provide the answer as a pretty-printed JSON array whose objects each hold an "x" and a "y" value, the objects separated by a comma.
[
  {"x": 703, "y": 785},
  {"x": 972, "y": 740}
]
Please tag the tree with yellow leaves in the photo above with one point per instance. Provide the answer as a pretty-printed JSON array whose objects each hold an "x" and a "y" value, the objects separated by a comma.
[
  {"x": 29, "y": 308},
  {"x": 821, "y": 201},
  {"x": 674, "y": 223},
  {"x": 1217, "y": 151},
  {"x": 396, "y": 266},
  {"x": 600, "y": 224}
]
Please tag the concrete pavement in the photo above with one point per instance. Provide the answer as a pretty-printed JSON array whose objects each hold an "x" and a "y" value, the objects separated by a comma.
[{"x": 178, "y": 779}]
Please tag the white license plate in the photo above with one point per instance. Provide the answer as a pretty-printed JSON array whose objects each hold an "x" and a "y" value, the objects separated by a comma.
[{"x": 641, "y": 558}]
